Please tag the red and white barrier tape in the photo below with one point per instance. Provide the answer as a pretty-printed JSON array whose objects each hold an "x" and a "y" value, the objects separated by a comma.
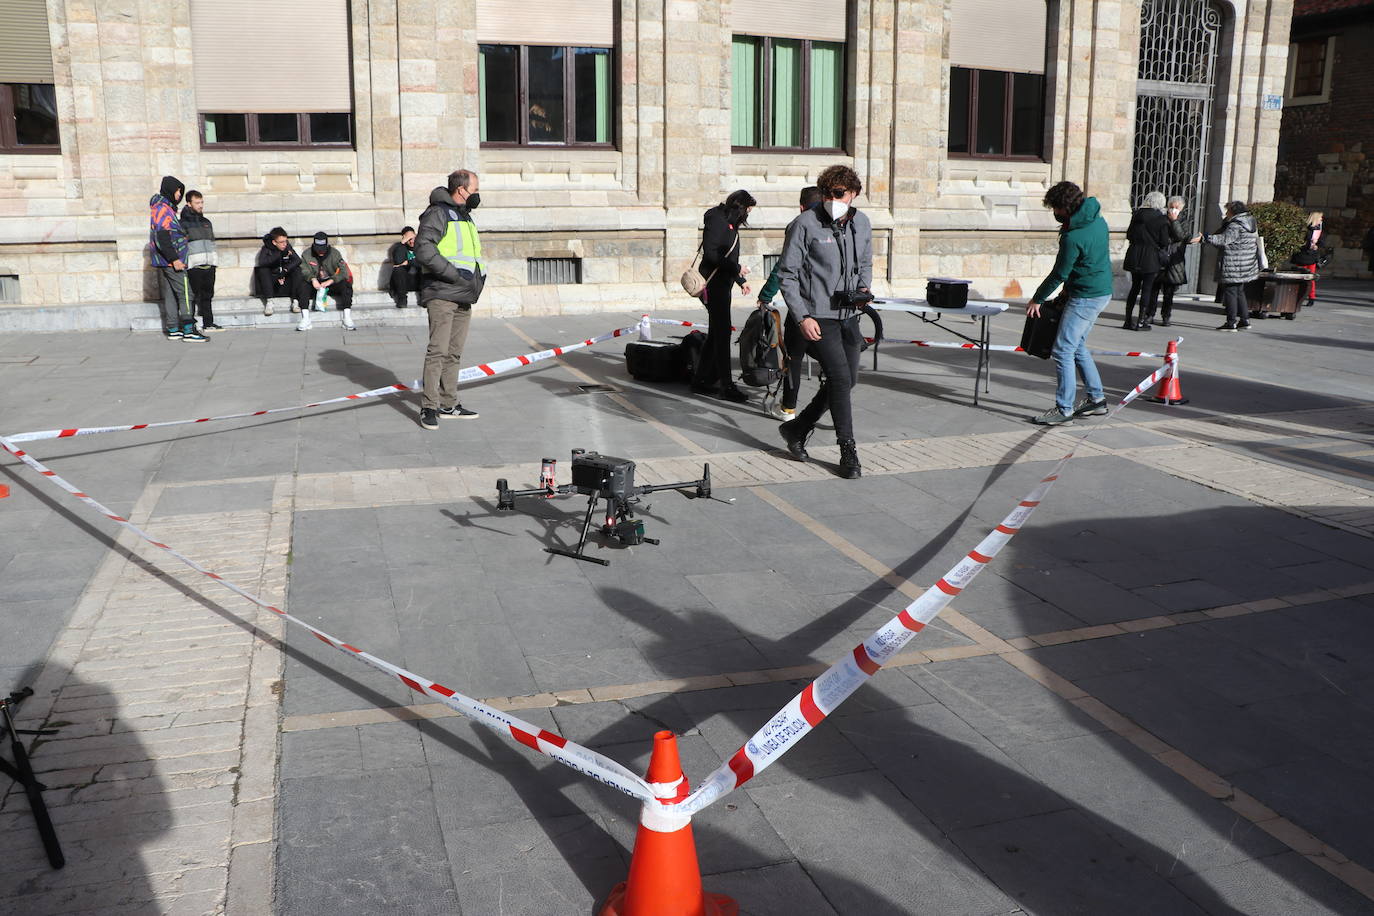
[
  {"x": 547, "y": 743},
  {"x": 821, "y": 697},
  {"x": 802, "y": 714},
  {"x": 468, "y": 374},
  {"x": 1004, "y": 348}
]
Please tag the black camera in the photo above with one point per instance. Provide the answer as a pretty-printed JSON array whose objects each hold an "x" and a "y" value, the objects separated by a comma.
[{"x": 852, "y": 298}]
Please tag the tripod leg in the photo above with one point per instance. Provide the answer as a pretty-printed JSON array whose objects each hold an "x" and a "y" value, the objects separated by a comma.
[{"x": 35, "y": 795}]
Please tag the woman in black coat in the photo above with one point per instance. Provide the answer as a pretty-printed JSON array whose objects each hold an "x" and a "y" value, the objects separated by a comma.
[
  {"x": 1148, "y": 243},
  {"x": 720, "y": 265},
  {"x": 1175, "y": 271}
]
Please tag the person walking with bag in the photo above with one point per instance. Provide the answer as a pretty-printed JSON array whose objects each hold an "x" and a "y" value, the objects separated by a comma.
[
  {"x": 721, "y": 267},
  {"x": 1146, "y": 251},
  {"x": 1084, "y": 268},
  {"x": 1307, "y": 257},
  {"x": 826, "y": 271},
  {"x": 1239, "y": 263}
]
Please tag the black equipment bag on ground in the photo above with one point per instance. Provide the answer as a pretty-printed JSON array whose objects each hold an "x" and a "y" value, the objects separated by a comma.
[
  {"x": 1037, "y": 337},
  {"x": 653, "y": 360},
  {"x": 688, "y": 355}
]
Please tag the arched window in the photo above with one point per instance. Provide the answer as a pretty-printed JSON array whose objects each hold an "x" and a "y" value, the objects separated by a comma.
[{"x": 997, "y": 79}]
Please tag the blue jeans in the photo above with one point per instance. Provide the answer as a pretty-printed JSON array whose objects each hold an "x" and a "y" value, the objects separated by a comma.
[{"x": 1071, "y": 351}]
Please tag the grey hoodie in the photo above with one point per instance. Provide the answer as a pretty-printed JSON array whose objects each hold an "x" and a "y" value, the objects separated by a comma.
[
  {"x": 1239, "y": 244},
  {"x": 820, "y": 258}
]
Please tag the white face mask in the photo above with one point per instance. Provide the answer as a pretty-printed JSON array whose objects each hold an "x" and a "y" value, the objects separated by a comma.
[{"x": 836, "y": 208}]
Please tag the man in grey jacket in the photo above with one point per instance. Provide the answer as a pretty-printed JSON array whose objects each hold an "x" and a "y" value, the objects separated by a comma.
[
  {"x": 201, "y": 260},
  {"x": 825, "y": 272},
  {"x": 452, "y": 275},
  {"x": 1238, "y": 264}
]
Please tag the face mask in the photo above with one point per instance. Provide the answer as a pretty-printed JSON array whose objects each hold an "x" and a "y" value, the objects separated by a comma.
[
  {"x": 474, "y": 201},
  {"x": 836, "y": 208}
]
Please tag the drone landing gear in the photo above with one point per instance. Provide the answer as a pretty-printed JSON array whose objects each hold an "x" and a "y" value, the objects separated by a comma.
[{"x": 620, "y": 525}]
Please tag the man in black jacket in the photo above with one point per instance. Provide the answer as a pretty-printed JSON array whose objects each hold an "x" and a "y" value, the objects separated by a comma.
[
  {"x": 452, "y": 275},
  {"x": 277, "y": 272},
  {"x": 201, "y": 259},
  {"x": 405, "y": 270}
]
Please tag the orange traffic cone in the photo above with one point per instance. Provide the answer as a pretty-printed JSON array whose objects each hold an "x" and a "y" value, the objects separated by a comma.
[
  {"x": 665, "y": 879},
  {"x": 1170, "y": 391},
  {"x": 4, "y": 491}
]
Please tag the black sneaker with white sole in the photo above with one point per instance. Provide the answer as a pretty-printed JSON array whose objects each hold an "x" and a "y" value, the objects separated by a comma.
[
  {"x": 458, "y": 412},
  {"x": 429, "y": 418},
  {"x": 1087, "y": 407},
  {"x": 194, "y": 336}
]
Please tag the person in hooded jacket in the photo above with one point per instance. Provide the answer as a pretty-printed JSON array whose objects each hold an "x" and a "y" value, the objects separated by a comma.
[
  {"x": 1238, "y": 265},
  {"x": 825, "y": 272},
  {"x": 325, "y": 271},
  {"x": 1147, "y": 249},
  {"x": 168, "y": 248},
  {"x": 405, "y": 270},
  {"x": 452, "y": 276},
  {"x": 277, "y": 272},
  {"x": 201, "y": 259},
  {"x": 1084, "y": 268}
]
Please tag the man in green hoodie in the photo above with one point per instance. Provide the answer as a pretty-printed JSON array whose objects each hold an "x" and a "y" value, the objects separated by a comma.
[{"x": 1084, "y": 268}]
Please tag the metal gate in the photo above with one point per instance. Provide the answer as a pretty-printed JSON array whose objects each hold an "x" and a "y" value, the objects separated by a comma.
[{"x": 1175, "y": 84}]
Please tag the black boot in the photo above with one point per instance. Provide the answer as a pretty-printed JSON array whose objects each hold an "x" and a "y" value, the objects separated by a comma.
[
  {"x": 850, "y": 469},
  {"x": 795, "y": 435}
]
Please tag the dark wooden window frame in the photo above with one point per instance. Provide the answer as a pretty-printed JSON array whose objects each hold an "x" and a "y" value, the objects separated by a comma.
[
  {"x": 9, "y": 140},
  {"x": 302, "y": 131},
  {"x": 569, "y": 101},
  {"x": 1323, "y": 42},
  {"x": 1009, "y": 95},
  {"x": 763, "y": 78}
]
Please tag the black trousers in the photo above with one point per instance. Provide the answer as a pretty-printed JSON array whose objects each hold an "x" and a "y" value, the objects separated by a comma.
[
  {"x": 265, "y": 285},
  {"x": 795, "y": 343},
  {"x": 714, "y": 365},
  {"x": 838, "y": 353},
  {"x": 1237, "y": 308},
  {"x": 202, "y": 281},
  {"x": 340, "y": 295},
  {"x": 1166, "y": 307},
  {"x": 404, "y": 280},
  {"x": 1143, "y": 285}
]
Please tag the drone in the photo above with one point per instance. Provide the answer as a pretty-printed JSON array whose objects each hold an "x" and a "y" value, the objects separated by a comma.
[{"x": 600, "y": 477}]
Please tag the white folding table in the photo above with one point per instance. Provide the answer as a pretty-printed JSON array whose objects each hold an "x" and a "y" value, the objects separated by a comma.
[{"x": 980, "y": 311}]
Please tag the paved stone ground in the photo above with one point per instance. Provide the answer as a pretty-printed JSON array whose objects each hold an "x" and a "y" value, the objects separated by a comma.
[{"x": 1159, "y": 698}]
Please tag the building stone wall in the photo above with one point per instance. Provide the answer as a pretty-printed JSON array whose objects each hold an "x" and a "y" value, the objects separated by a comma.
[
  {"x": 74, "y": 226},
  {"x": 1326, "y": 152}
]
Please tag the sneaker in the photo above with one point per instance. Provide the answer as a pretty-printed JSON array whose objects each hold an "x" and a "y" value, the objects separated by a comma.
[
  {"x": 787, "y": 412},
  {"x": 458, "y": 412},
  {"x": 303, "y": 326},
  {"x": 429, "y": 418},
  {"x": 194, "y": 337},
  {"x": 1090, "y": 408},
  {"x": 295, "y": 306},
  {"x": 267, "y": 307},
  {"x": 210, "y": 328},
  {"x": 350, "y": 327},
  {"x": 1052, "y": 417},
  {"x": 1243, "y": 326},
  {"x": 171, "y": 333},
  {"x": 1228, "y": 326}
]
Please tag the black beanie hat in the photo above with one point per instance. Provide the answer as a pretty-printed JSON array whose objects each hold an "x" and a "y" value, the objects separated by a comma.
[{"x": 171, "y": 187}]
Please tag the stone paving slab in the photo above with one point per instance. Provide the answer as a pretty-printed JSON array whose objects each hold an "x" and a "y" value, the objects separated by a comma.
[{"x": 975, "y": 740}]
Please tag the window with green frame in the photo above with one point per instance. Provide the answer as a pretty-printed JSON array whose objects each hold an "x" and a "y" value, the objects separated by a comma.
[
  {"x": 539, "y": 95},
  {"x": 786, "y": 93}
]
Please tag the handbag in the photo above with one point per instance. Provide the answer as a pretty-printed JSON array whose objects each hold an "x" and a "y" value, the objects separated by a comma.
[
  {"x": 693, "y": 283},
  {"x": 1260, "y": 253},
  {"x": 1038, "y": 336}
]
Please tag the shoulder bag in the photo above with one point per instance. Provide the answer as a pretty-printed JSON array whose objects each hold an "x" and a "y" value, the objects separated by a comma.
[{"x": 693, "y": 283}]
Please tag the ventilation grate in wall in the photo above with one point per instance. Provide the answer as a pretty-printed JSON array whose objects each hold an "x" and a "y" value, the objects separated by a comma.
[{"x": 550, "y": 271}]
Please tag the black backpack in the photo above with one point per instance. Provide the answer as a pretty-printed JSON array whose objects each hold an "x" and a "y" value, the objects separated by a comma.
[{"x": 762, "y": 356}]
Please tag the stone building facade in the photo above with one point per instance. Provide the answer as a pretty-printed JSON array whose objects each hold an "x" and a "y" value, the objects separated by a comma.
[
  {"x": 1326, "y": 145},
  {"x": 73, "y": 222}
]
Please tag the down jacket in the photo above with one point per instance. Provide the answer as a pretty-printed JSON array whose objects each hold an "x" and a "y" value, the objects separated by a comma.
[
  {"x": 1239, "y": 244},
  {"x": 1176, "y": 269}
]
